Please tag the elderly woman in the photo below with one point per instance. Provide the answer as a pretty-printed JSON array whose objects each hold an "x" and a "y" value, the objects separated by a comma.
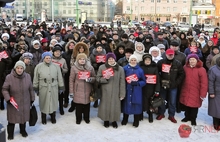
[
  {"x": 139, "y": 51},
  {"x": 81, "y": 86},
  {"x": 133, "y": 101},
  {"x": 47, "y": 82},
  {"x": 27, "y": 59},
  {"x": 156, "y": 54},
  {"x": 194, "y": 89},
  {"x": 214, "y": 94},
  {"x": 112, "y": 79},
  {"x": 37, "y": 51},
  {"x": 18, "y": 86}
]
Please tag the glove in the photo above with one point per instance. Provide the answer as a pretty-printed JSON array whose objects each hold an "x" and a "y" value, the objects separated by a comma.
[
  {"x": 134, "y": 83},
  {"x": 8, "y": 102},
  {"x": 88, "y": 80},
  {"x": 121, "y": 98},
  {"x": 156, "y": 94}
]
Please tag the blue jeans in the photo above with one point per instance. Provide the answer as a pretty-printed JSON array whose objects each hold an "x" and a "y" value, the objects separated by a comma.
[{"x": 171, "y": 95}]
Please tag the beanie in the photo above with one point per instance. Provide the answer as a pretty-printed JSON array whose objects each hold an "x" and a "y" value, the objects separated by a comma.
[
  {"x": 110, "y": 55},
  {"x": 192, "y": 56},
  {"x": 132, "y": 57},
  {"x": 46, "y": 54},
  {"x": 20, "y": 63}
]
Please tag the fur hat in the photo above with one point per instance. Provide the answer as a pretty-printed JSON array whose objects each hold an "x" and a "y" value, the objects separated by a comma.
[
  {"x": 192, "y": 56},
  {"x": 5, "y": 34},
  {"x": 27, "y": 55},
  {"x": 147, "y": 56},
  {"x": 20, "y": 63},
  {"x": 110, "y": 55},
  {"x": 36, "y": 42},
  {"x": 161, "y": 46},
  {"x": 81, "y": 55},
  {"x": 46, "y": 54},
  {"x": 129, "y": 50},
  {"x": 133, "y": 57}
]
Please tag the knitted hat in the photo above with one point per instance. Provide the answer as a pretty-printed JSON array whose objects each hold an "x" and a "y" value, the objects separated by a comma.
[
  {"x": 44, "y": 40},
  {"x": 110, "y": 55},
  {"x": 81, "y": 55},
  {"x": 5, "y": 34},
  {"x": 20, "y": 63},
  {"x": 129, "y": 50},
  {"x": 132, "y": 57},
  {"x": 161, "y": 46},
  {"x": 147, "y": 56},
  {"x": 36, "y": 42},
  {"x": 46, "y": 54},
  {"x": 27, "y": 55},
  {"x": 192, "y": 56}
]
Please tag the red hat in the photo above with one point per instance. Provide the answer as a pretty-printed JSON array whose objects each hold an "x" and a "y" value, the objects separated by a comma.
[
  {"x": 170, "y": 52},
  {"x": 44, "y": 40}
]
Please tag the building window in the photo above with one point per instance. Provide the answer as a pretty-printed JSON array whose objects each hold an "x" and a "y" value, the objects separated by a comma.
[
  {"x": 158, "y": 8},
  {"x": 152, "y": 8},
  {"x": 174, "y": 9},
  {"x": 23, "y": 4},
  {"x": 64, "y": 11},
  {"x": 45, "y": 3},
  {"x": 91, "y": 11},
  {"x": 8, "y": 11},
  {"x": 142, "y": 0},
  {"x": 69, "y": 11},
  {"x": 174, "y": 1},
  {"x": 158, "y": 0},
  {"x": 168, "y": 1},
  {"x": 23, "y": 11},
  {"x": 128, "y": 7},
  {"x": 69, "y": 3},
  {"x": 184, "y": 1},
  {"x": 30, "y": 3},
  {"x": 158, "y": 18},
  {"x": 136, "y": 8},
  {"x": 64, "y": 3},
  {"x": 56, "y": 12},
  {"x": 17, "y": 11},
  {"x": 168, "y": 9},
  {"x": 168, "y": 19},
  {"x": 152, "y": 0},
  {"x": 142, "y": 8}
]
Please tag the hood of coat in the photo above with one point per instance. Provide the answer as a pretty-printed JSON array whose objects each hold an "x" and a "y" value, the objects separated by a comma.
[
  {"x": 17, "y": 47},
  {"x": 198, "y": 65},
  {"x": 68, "y": 43},
  {"x": 152, "y": 64},
  {"x": 33, "y": 50},
  {"x": 140, "y": 44},
  {"x": 95, "y": 53},
  {"x": 87, "y": 66},
  {"x": 16, "y": 75},
  {"x": 77, "y": 47},
  {"x": 155, "y": 48}
]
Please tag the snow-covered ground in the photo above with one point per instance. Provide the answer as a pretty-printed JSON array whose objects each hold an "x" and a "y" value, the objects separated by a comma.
[{"x": 66, "y": 129}]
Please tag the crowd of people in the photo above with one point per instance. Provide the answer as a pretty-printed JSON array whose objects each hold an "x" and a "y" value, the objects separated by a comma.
[{"x": 124, "y": 68}]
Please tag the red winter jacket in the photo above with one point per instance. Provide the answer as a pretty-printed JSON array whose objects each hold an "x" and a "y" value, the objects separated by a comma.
[{"x": 194, "y": 86}]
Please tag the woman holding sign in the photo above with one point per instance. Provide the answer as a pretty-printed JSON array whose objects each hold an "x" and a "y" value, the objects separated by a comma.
[
  {"x": 135, "y": 80},
  {"x": 82, "y": 76},
  {"x": 152, "y": 86},
  {"x": 112, "y": 79},
  {"x": 19, "y": 95}
]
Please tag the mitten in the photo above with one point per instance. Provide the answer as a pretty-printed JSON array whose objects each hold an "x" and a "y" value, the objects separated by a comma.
[{"x": 134, "y": 83}]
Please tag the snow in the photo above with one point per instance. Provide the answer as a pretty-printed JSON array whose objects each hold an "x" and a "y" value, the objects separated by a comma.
[{"x": 66, "y": 129}]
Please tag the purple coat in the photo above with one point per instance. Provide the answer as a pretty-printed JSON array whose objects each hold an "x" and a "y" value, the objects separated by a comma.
[{"x": 19, "y": 87}]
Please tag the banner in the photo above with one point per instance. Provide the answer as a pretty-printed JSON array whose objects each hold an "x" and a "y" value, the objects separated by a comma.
[
  {"x": 108, "y": 71},
  {"x": 131, "y": 78},
  {"x": 83, "y": 75},
  {"x": 151, "y": 79},
  {"x": 100, "y": 59},
  {"x": 3, "y": 54}
]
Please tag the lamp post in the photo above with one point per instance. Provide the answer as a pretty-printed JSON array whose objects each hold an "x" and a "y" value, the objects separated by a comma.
[{"x": 77, "y": 13}]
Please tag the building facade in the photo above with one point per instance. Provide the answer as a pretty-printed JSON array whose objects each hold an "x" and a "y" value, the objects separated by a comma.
[{"x": 216, "y": 3}]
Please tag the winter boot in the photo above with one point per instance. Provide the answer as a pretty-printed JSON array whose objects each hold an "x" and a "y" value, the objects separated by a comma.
[
  {"x": 43, "y": 118},
  {"x": 95, "y": 105},
  {"x": 114, "y": 125},
  {"x": 61, "y": 104},
  {"x": 106, "y": 124},
  {"x": 10, "y": 130},
  {"x": 193, "y": 122},
  {"x": 141, "y": 116},
  {"x": 22, "y": 130},
  {"x": 2, "y": 103},
  {"x": 150, "y": 117},
  {"x": 53, "y": 117},
  {"x": 125, "y": 119},
  {"x": 136, "y": 121},
  {"x": 72, "y": 107},
  {"x": 216, "y": 123}
]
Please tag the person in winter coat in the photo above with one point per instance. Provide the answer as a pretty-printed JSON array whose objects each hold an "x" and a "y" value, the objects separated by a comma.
[
  {"x": 44, "y": 45},
  {"x": 4, "y": 71},
  {"x": 202, "y": 41},
  {"x": 148, "y": 43},
  {"x": 193, "y": 49},
  {"x": 112, "y": 80},
  {"x": 48, "y": 81},
  {"x": 215, "y": 51},
  {"x": 152, "y": 87},
  {"x": 161, "y": 40},
  {"x": 184, "y": 42},
  {"x": 214, "y": 38},
  {"x": 81, "y": 86},
  {"x": 61, "y": 62},
  {"x": 125, "y": 41},
  {"x": 119, "y": 52},
  {"x": 214, "y": 94},
  {"x": 37, "y": 51},
  {"x": 68, "y": 56},
  {"x": 135, "y": 80},
  {"x": 171, "y": 76},
  {"x": 139, "y": 51},
  {"x": 124, "y": 60},
  {"x": 27, "y": 59},
  {"x": 156, "y": 54},
  {"x": 194, "y": 88},
  {"x": 18, "y": 86},
  {"x": 162, "y": 48}
]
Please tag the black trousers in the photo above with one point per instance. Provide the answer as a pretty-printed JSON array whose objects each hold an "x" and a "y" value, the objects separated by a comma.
[
  {"x": 82, "y": 109},
  {"x": 66, "y": 92},
  {"x": 191, "y": 113}
]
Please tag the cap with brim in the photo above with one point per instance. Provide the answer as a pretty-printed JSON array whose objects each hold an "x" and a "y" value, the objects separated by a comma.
[{"x": 170, "y": 52}]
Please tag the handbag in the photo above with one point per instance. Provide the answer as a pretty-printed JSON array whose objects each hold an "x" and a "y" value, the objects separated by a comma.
[
  {"x": 33, "y": 116},
  {"x": 156, "y": 101},
  {"x": 165, "y": 84}
]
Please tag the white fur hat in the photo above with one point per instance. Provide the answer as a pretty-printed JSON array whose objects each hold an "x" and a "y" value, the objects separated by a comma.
[
  {"x": 133, "y": 57},
  {"x": 5, "y": 34}
]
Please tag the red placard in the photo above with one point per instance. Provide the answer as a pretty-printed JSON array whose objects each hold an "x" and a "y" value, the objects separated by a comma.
[
  {"x": 193, "y": 49},
  {"x": 83, "y": 75},
  {"x": 13, "y": 102},
  {"x": 166, "y": 68},
  {"x": 57, "y": 63},
  {"x": 108, "y": 71},
  {"x": 3, "y": 54},
  {"x": 132, "y": 77},
  {"x": 151, "y": 79},
  {"x": 100, "y": 59}
]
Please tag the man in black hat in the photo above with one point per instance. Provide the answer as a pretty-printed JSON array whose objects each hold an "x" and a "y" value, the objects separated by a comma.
[
  {"x": 161, "y": 40},
  {"x": 125, "y": 41},
  {"x": 124, "y": 61},
  {"x": 175, "y": 38},
  {"x": 59, "y": 39}
]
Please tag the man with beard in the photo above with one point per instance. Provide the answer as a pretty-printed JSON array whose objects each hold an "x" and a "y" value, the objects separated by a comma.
[
  {"x": 126, "y": 42},
  {"x": 161, "y": 40},
  {"x": 67, "y": 56}
]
